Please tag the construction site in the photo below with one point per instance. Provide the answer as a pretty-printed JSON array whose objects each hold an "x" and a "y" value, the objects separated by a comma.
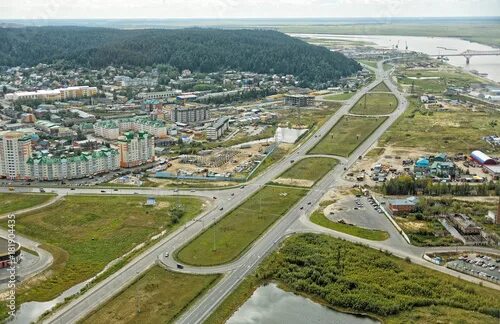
[{"x": 231, "y": 162}]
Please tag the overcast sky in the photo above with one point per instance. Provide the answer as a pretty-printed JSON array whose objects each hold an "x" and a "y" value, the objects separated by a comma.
[{"x": 65, "y": 9}]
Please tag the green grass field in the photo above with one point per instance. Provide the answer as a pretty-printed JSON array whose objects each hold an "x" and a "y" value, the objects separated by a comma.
[
  {"x": 339, "y": 96},
  {"x": 354, "y": 278},
  {"x": 312, "y": 169},
  {"x": 347, "y": 135},
  {"x": 369, "y": 234},
  {"x": 445, "y": 78},
  {"x": 381, "y": 87},
  {"x": 159, "y": 296},
  {"x": 84, "y": 233},
  {"x": 10, "y": 202},
  {"x": 375, "y": 104},
  {"x": 240, "y": 227},
  {"x": 370, "y": 63},
  {"x": 452, "y": 132}
]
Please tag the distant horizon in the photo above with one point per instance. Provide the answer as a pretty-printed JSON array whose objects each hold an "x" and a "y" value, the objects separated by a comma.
[
  {"x": 242, "y": 9},
  {"x": 130, "y": 23},
  {"x": 262, "y": 18}
]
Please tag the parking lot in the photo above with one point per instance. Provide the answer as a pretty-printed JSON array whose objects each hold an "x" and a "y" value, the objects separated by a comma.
[
  {"x": 482, "y": 266},
  {"x": 359, "y": 211}
]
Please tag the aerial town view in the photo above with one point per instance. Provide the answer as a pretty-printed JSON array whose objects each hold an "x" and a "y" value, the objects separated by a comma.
[{"x": 250, "y": 162}]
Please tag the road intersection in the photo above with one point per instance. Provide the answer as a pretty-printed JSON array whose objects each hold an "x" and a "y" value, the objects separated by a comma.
[{"x": 294, "y": 221}]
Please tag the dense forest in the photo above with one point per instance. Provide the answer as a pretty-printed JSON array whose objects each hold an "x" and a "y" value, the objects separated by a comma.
[{"x": 203, "y": 50}]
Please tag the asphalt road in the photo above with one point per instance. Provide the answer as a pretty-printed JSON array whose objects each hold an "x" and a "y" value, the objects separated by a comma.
[
  {"x": 104, "y": 290},
  {"x": 235, "y": 272}
]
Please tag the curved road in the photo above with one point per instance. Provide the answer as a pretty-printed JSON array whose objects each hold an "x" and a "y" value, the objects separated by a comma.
[{"x": 294, "y": 221}]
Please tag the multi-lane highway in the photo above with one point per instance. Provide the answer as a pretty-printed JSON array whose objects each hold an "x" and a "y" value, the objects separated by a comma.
[{"x": 235, "y": 272}]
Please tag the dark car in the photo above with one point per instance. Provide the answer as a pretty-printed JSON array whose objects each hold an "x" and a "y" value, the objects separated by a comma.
[{"x": 180, "y": 266}]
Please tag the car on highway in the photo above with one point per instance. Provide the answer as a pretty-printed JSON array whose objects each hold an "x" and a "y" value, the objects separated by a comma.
[
  {"x": 103, "y": 190},
  {"x": 42, "y": 190},
  {"x": 180, "y": 266},
  {"x": 192, "y": 190},
  {"x": 167, "y": 254},
  {"x": 222, "y": 208}
]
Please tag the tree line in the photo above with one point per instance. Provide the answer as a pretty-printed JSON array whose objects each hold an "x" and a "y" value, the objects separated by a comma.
[{"x": 406, "y": 185}]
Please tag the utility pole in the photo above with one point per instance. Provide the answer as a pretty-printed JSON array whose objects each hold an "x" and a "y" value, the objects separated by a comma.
[
  {"x": 214, "y": 248},
  {"x": 137, "y": 298}
]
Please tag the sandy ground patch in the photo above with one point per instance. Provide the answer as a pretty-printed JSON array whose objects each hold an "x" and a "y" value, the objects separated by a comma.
[{"x": 295, "y": 182}]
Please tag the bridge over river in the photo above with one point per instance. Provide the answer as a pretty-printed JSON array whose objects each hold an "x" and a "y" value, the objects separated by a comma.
[{"x": 470, "y": 53}]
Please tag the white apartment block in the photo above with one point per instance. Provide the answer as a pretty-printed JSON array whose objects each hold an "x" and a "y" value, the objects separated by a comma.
[
  {"x": 111, "y": 129},
  {"x": 136, "y": 149},
  {"x": 53, "y": 95},
  {"x": 46, "y": 167},
  {"x": 15, "y": 150}
]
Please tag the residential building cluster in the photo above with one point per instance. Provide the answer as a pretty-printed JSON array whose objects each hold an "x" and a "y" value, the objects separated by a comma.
[{"x": 53, "y": 95}]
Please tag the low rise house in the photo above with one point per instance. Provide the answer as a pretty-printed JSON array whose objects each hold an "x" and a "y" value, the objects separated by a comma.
[{"x": 403, "y": 206}]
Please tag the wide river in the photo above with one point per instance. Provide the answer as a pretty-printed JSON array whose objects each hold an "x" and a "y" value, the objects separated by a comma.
[
  {"x": 271, "y": 305},
  {"x": 431, "y": 46}
]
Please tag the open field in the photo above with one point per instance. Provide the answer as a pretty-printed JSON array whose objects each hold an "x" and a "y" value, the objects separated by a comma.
[
  {"x": 439, "y": 80},
  {"x": 240, "y": 227},
  {"x": 339, "y": 96},
  {"x": 375, "y": 104},
  {"x": 10, "y": 202},
  {"x": 482, "y": 33},
  {"x": 452, "y": 132},
  {"x": 372, "y": 64},
  {"x": 354, "y": 278},
  {"x": 369, "y": 234},
  {"x": 307, "y": 116},
  {"x": 84, "y": 233},
  {"x": 381, "y": 87},
  {"x": 347, "y": 135},
  {"x": 159, "y": 296},
  {"x": 312, "y": 169},
  {"x": 426, "y": 232}
]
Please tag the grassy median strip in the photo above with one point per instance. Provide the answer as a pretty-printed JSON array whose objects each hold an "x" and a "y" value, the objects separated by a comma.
[
  {"x": 306, "y": 172},
  {"x": 339, "y": 96},
  {"x": 158, "y": 296},
  {"x": 375, "y": 104},
  {"x": 10, "y": 202},
  {"x": 84, "y": 233},
  {"x": 230, "y": 236},
  {"x": 347, "y": 135},
  {"x": 354, "y": 278},
  {"x": 381, "y": 87},
  {"x": 369, "y": 234}
]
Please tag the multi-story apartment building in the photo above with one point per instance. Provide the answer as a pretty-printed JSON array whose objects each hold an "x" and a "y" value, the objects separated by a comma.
[
  {"x": 15, "y": 150},
  {"x": 135, "y": 149},
  {"x": 299, "y": 100},
  {"x": 107, "y": 129},
  {"x": 53, "y": 95},
  {"x": 111, "y": 129},
  {"x": 189, "y": 115},
  {"x": 159, "y": 94},
  {"x": 218, "y": 128},
  {"x": 43, "y": 166}
]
